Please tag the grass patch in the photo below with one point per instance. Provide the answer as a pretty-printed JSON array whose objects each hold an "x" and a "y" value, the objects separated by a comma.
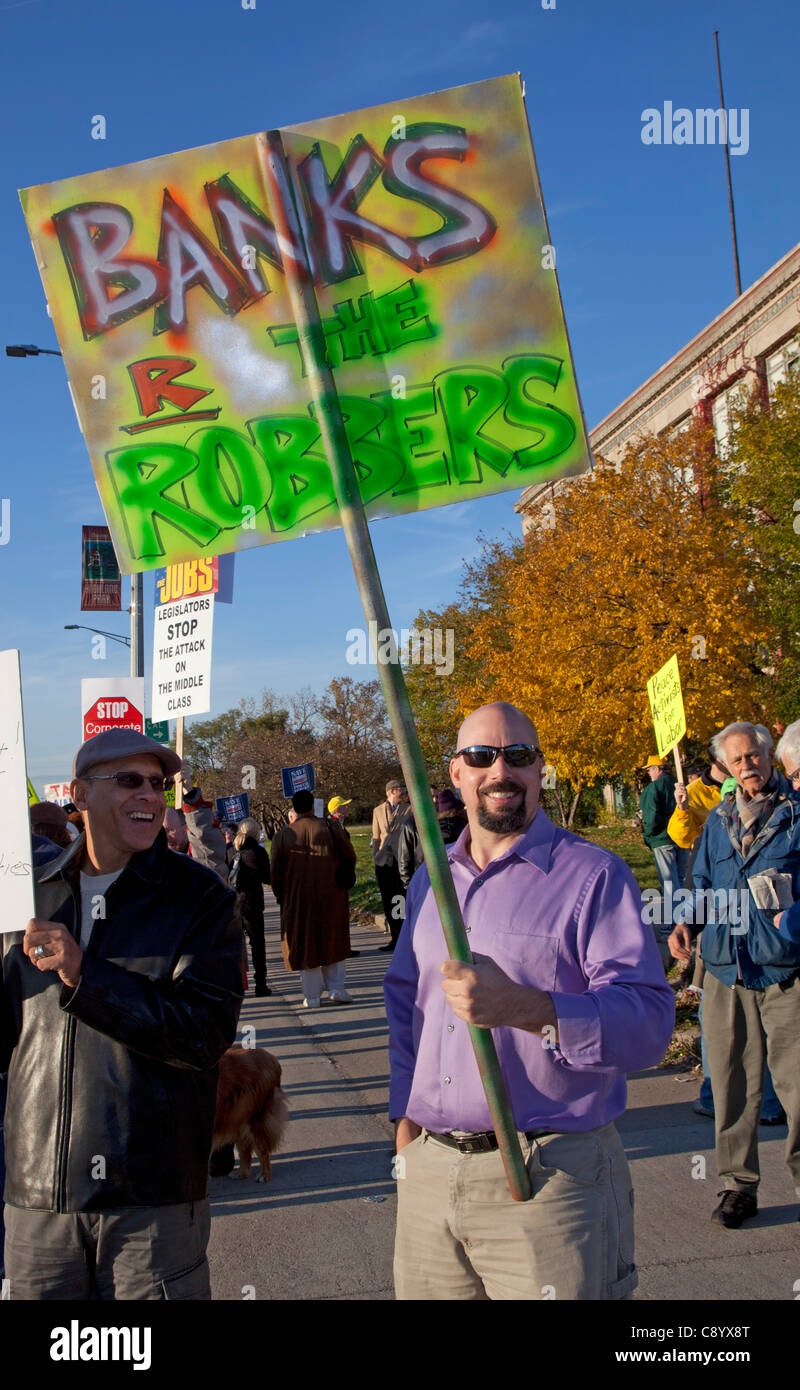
[
  {"x": 364, "y": 896},
  {"x": 629, "y": 845}
]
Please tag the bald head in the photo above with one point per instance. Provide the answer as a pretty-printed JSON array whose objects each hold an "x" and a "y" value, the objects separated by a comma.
[
  {"x": 501, "y": 799},
  {"x": 175, "y": 826},
  {"x": 499, "y": 723}
]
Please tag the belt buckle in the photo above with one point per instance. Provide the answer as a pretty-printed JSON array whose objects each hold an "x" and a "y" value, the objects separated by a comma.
[{"x": 476, "y": 1144}]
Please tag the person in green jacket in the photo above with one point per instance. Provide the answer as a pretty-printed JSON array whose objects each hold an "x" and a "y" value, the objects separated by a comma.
[{"x": 657, "y": 806}]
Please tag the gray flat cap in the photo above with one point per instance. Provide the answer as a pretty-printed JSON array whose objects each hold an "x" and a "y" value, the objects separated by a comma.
[{"x": 122, "y": 743}]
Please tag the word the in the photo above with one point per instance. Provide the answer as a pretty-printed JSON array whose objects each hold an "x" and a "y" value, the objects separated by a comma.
[
  {"x": 441, "y": 436},
  {"x": 376, "y": 327},
  {"x": 705, "y": 126},
  {"x": 411, "y": 647},
  {"x": 94, "y": 236},
  {"x": 76, "y": 1343}
]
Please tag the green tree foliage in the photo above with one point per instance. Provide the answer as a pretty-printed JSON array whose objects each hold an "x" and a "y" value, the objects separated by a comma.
[
  {"x": 765, "y": 479},
  {"x": 631, "y": 564},
  {"x": 345, "y": 733}
]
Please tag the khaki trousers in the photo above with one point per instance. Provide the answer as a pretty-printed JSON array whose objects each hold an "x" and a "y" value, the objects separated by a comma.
[
  {"x": 461, "y": 1235},
  {"x": 742, "y": 1028}
]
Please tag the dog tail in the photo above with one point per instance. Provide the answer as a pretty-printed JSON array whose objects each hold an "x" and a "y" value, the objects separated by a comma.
[{"x": 274, "y": 1119}]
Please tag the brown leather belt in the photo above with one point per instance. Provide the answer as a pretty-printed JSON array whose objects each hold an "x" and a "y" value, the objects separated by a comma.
[{"x": 484, "y": 1142}]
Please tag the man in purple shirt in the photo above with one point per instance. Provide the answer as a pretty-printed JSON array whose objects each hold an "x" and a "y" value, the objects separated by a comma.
[{"x": 569, "y": 979}]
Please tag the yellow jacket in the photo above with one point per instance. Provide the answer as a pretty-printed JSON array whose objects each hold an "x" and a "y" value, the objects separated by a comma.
[{"x": 685, "y": 826}]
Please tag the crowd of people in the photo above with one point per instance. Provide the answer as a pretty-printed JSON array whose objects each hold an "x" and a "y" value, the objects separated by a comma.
[{"x": 124, "y": 991}]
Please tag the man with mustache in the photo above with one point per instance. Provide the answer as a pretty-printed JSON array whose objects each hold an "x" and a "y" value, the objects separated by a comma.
[
  {"x": 750, "y": 856},
  {"x": 116, "y": 1003},
  {"x": 569, "y": 979}
]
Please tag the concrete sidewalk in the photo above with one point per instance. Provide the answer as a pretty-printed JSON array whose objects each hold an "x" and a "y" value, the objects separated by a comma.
[{"x": 323, "y": 1227}]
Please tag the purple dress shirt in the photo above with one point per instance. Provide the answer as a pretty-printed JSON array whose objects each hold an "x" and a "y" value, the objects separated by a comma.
[{"x": 555, "y": 912}]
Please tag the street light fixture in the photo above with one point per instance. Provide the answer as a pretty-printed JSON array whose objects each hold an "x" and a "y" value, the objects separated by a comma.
[
  {"x": 73, "y": 627},
  {"x": 29, "y": 350}
]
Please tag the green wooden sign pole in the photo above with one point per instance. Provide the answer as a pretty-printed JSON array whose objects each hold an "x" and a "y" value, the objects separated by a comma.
[{"x": 300, "y": 285}]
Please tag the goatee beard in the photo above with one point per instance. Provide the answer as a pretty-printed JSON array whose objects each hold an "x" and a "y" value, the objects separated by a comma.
[{"x": 502, "y": 822}]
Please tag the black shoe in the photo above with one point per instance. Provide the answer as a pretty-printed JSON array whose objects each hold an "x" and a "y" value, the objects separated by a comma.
[
  {"x": 262, "y": 990},
  {"x": 774, "y": 1119},
  {"x": 222, "y": 1162},
  {"x": 734, "y": 1208},
  {"x": 386, "y": 948}
]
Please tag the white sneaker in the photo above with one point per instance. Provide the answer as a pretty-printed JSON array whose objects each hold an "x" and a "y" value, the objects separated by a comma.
[
  {"x": 311, "y": 1003},
  {"x": 340, "y": 996}
]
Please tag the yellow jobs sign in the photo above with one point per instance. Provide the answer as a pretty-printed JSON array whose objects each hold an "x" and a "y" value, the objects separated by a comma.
[{"x": 666, "y": 704}]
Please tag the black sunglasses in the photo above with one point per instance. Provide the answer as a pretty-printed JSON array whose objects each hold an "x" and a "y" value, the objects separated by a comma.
[
  {"x": 132, "y": 781},
  {"x": 484, "y": 754}
]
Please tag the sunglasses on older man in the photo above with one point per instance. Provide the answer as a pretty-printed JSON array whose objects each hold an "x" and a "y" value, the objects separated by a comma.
[
  {"x": 514, "y": 754},
  {"x": 132, "y": 781}
]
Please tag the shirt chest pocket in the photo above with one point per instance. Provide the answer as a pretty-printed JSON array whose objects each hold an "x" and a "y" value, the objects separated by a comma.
[{"x": 526, "y": 958}]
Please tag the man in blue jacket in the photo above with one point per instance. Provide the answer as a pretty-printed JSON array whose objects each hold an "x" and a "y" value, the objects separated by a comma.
[{"x": 749, "y": 856}]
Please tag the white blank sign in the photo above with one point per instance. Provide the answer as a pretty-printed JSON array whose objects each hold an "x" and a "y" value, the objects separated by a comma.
[{"x": 16, "y": 858}]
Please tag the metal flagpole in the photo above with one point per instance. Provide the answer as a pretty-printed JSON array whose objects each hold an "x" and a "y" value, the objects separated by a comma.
[
  {"x": 179, "y": 751},
  {"x": 728, "y": 171},
  {"x": 299, "y": 281}
]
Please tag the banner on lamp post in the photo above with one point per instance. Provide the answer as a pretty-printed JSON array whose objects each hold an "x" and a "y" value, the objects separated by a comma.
[{"x": 101, "y": 586}]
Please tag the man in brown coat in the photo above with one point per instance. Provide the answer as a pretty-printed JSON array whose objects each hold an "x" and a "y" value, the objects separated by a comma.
[{"x": 315, "y": 910}]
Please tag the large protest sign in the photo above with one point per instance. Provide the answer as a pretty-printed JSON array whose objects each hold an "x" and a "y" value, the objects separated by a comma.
[
  {"x": 666, "y": 705},
  {"x": 440, "y": 307},
  {"x": 16, "y": 857}
]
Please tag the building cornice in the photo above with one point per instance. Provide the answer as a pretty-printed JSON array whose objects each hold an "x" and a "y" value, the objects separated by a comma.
[{"x": 780, "y": 282}]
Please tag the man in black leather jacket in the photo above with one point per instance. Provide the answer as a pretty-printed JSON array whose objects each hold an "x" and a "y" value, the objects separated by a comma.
[{"x": 117, "y": 1003}]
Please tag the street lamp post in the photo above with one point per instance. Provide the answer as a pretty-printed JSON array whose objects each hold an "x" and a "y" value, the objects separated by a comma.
[{"x": 136, "y": 642}]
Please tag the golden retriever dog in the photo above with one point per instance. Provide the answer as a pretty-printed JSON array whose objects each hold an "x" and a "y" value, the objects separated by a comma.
[{"x": 251, "y": 1107}]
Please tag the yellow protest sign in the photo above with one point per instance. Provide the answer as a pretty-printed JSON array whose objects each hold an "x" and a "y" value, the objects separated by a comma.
[{"x": 666, "y": 704}]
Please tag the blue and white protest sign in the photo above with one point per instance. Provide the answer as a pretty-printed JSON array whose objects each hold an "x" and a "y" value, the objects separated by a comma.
[
  {"x": 297, "y": 779},
  {"x": 233, "y": 808}
]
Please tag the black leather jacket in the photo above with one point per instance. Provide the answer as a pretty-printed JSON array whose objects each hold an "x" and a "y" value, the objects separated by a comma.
[{"x": 112, "y": 1085}]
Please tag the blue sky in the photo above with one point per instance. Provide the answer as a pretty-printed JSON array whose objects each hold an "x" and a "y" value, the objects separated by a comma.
[{"x": 641, "y": 236}]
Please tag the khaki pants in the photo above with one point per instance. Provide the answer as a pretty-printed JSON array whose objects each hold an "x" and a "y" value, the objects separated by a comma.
[
  {"x": 743, "y": 1027},
  {"x": 150, "y": 1253},
  {"x": 461, "y": 1235}
]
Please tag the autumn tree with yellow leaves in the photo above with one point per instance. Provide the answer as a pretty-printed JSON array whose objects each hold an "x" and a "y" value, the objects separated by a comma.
[{"x": 629, "y": 565}]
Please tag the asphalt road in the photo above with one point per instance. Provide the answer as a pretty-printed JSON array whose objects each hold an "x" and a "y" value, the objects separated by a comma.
[{"x": 323, "y": 1228}]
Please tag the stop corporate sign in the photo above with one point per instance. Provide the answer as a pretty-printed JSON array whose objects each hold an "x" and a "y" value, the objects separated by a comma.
[{"x": 112, "y": 704}]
